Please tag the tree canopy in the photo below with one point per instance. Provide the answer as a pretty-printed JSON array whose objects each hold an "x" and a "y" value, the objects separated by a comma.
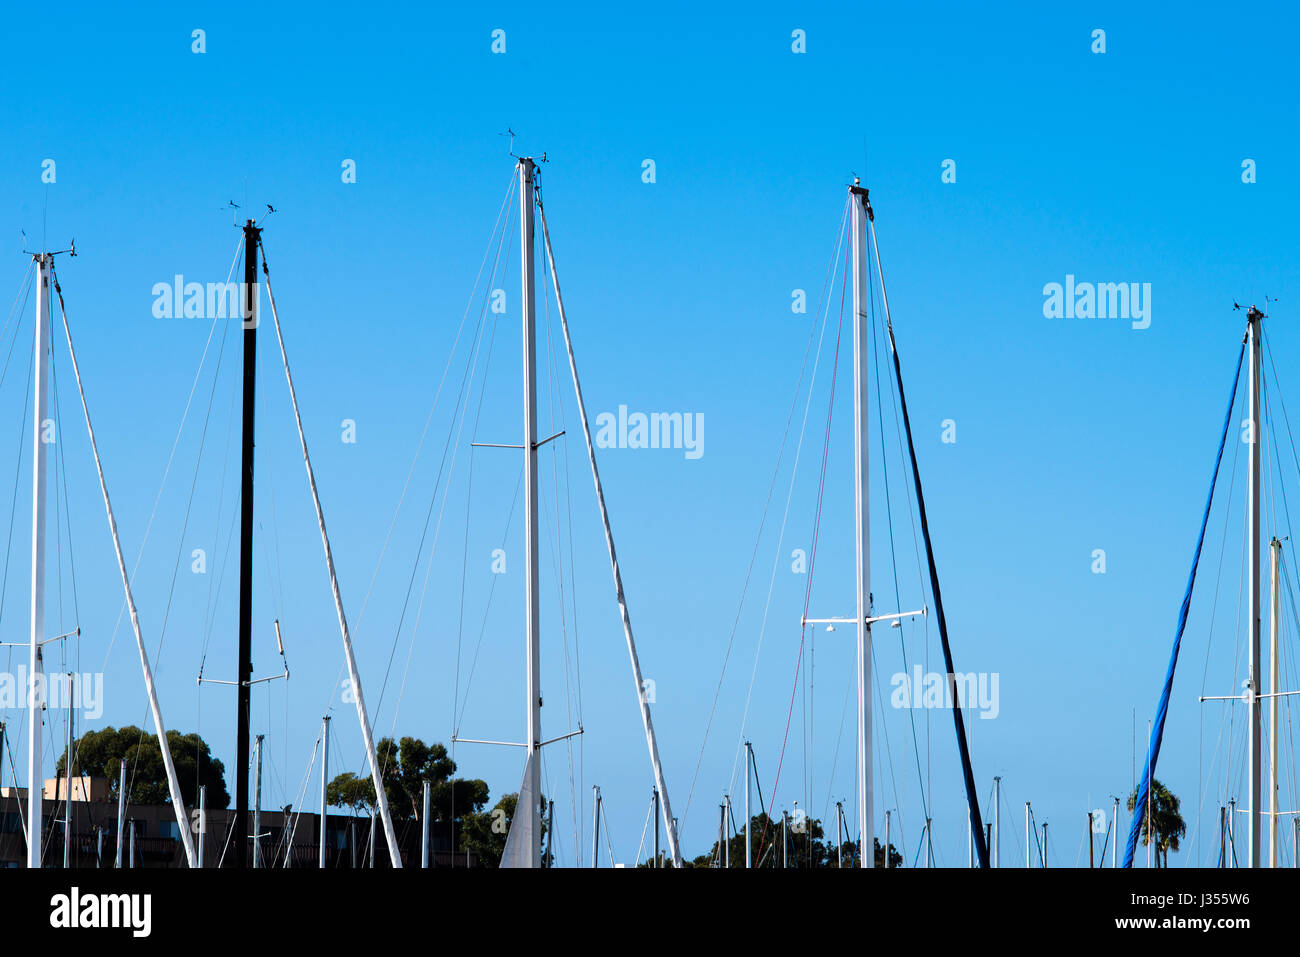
[
  {"x": 1166, "y": 821},
  {"x": 101, "y": 753},
  {"x": 406, "y": 765},
  {"x": 806, "y": 847}
]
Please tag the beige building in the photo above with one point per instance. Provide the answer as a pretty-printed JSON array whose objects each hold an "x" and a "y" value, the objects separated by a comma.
[{"x": 84, "y": 788}]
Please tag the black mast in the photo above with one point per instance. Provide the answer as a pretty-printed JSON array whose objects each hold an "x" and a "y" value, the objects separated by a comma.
[{"x": 251, "y": 237}]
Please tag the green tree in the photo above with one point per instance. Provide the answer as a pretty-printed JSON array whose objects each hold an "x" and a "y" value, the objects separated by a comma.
[
  {"x": 101, "y": 753},
  {"x": 406, "y": 765},
  {"x": 807, "y": 847},
  {"x": 1166, "y": 821},
  {"x": 348, "y": 790}
]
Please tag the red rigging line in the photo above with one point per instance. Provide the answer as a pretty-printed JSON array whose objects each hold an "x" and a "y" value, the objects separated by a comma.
[{"x": 812, "y": 555}]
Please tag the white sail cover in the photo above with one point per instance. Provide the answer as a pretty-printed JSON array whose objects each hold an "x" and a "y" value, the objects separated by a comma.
[{"x": 519, "y": 841}]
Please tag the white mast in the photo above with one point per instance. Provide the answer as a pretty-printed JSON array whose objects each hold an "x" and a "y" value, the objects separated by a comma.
[
  {"x": 203, "y": 819},
  {"x": 1114, "y": 845},
  {"x": 169, "y": 767},
  {"x": 257, "y": 809},
  {"x": 532, "y": 586},
  {"x": 861, "y": 475},
  {"x": 749, "y": 763},
  {"x": 727, "y": 844},
  {"x": 324, "y": 779},
  {"x": 997, "y": 821},
  {"x": 424, "y": 829},
  {"x": 873, "y": 854},
  {"x": 121, "y": 808},
  {"x": 1253, "y": 622},
  {"x": 36, "y": 677},
  {"x": 595, "y": 826},
  {"x": 67, "y": 776},
  {"x": 1274, "y": 550}
]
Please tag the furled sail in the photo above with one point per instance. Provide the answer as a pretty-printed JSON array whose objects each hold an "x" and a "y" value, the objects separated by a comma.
[{"x": 519, "y": 842}]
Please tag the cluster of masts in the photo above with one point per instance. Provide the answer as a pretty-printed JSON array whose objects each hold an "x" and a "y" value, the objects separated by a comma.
[{"x": 524, "y": 845}]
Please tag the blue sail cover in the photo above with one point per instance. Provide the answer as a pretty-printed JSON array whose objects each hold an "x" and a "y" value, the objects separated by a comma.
[{"x": 1162, "y": 710}]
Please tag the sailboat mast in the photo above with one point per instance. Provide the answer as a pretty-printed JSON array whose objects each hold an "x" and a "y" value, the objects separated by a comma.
[
  {"x": 121, "y": 808},
  {"x": 36, "y": 695},
  {"x": 257, "y": 809},
  {"x": 532, "y": 589},
  {"x": 749, "y": 766},
  {"x": 203, "y": 820},
  {"x": 1114, "y": 848},
  {"x": 997, "y": 821},
  {"x": 655, "y": 796},
  {"x": 245, "y": 669},
  {"x": 1253, "y": 797},
  {"x": 67, "y": 776},
  {"x": 324, "y": 786},
  {"x": 1274, "y": 552},
  {"x": 595, "y": 826},
  {"x": 861, "y": 474}
]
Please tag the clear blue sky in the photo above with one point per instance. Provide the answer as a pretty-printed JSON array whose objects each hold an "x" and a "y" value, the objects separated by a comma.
[{"x": 1073, "y": 435}]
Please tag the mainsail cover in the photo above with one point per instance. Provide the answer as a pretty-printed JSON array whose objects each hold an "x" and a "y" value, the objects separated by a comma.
[
  {"x": 520, "y": 840},
  {"x": 1162, "y": 709}
]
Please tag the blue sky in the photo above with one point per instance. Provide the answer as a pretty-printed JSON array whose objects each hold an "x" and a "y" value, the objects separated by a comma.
[{"x": 1073, "y": 435}]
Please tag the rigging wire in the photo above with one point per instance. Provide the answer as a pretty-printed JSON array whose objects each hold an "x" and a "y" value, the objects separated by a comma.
[
  {"x": 812, "y": 554},
  {"x": 820, "y": 317}
]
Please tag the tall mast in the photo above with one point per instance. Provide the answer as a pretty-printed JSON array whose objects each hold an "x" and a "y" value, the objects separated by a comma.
[
  {"x": 726, "y": 828},
  {"x": 655, "y": 796},
  {"x": 532, "y": 588},
  {"x": 121, "y": 808},
  {"x": 997, "y": 821},
  {"x": 873, "y": 850},
  {"x": 722, "y": 831},
  {"x": 595, "y": 826},
  {"x": 424, "y": 828},
  {"x": 203, "y": 819},
  {"x": 324, "y": 784},
  {"x": 749, "y": 764},
  {"x": 862, "y": 517},
  {"x": 1114, "y": 847},
  {"x": 839, "y": 833},
  {"x": 245, "y": 669},
  {"x": 1253, "y": 796},
  {"x": 1274, "y": 551},
  {"x": 67, "y": 777},
  {"x": 36, "y": 691},
  {"x": 257, "y": 810}
]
